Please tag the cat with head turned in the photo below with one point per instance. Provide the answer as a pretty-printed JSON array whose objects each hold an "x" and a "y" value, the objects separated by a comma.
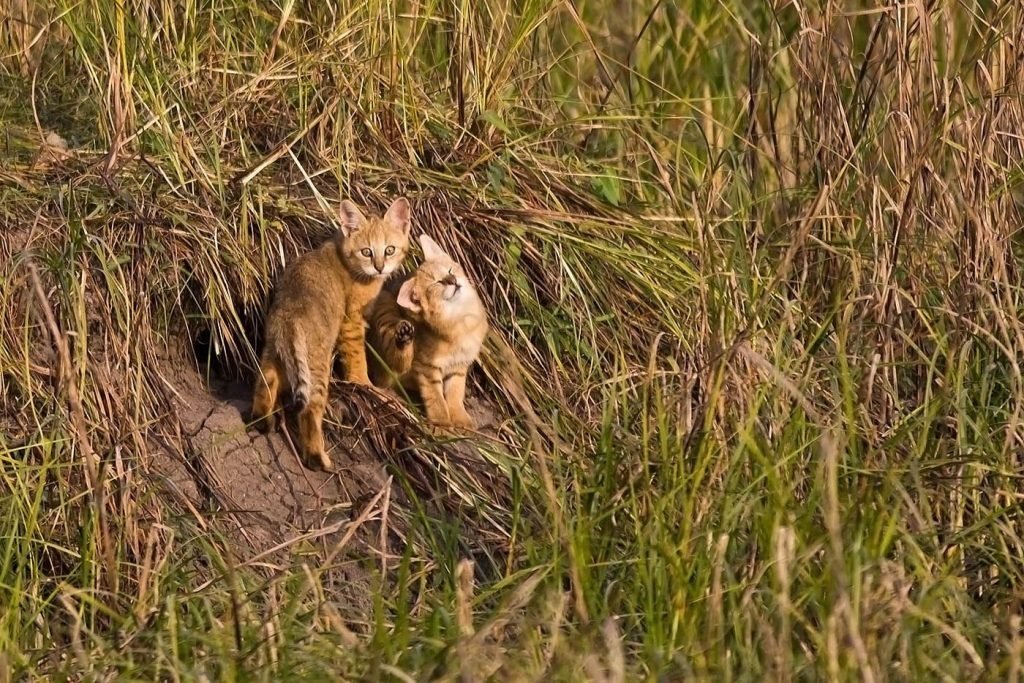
[
  {"x": 427, "y": 332},
  {"x": 321, "y": 307}
]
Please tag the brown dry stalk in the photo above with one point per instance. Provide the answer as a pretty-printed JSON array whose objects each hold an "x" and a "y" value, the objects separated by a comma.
[
  {"x": 464, "y": 615},
  {"x": 67, "y": 373},
  {"x": 464, "y": 597}
]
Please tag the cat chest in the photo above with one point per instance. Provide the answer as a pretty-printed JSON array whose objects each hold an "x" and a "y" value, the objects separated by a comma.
[
  {"x": 361, "y": 299},
  {"x": 454, "y": 356}
]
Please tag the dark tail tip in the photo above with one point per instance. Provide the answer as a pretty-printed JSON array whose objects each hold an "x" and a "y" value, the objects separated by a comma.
[{"x": 300, "y": 400}]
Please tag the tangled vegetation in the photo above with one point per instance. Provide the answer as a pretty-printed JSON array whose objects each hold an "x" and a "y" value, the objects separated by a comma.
[{"x": 751, "y": 269}]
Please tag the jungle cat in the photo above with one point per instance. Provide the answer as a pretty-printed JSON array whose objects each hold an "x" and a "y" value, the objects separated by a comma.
[
  {"x": 428, "y": 334},
  {"x": 320, "y": 307}
]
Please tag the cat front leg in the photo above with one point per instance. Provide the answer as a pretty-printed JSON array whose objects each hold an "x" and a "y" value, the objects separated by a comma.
[
  {"x": 430, "y": 382},
  {"x": 390, "y": 351},
  {"x": 352, "y": 349},
  {"x": 455, "y": 398}
]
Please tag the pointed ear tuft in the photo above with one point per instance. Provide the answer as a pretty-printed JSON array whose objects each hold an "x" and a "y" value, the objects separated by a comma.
[
  {"x": 431, "y": 250},
  {"x": 352, "y": 218},
  {"x": 399, "y": 214}
]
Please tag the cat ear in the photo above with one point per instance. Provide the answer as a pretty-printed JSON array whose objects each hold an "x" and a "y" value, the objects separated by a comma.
[
  {"x": 431, "y": 251},
  {"x": 352, "y": 218},
  {"x": 407, "y": 296},
  {"x": 399, "y": 214}
]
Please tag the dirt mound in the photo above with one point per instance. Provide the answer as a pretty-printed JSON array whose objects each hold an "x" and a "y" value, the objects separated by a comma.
[{"x": 253, "y": 489}]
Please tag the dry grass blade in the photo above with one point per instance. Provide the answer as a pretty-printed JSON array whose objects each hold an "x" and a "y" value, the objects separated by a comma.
[
  {"x": 753, "y": 389},
  {"x": 67, "y": 375}
]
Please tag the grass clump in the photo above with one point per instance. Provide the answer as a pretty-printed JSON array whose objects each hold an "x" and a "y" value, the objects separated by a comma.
[{"x": 754, "y": 282}]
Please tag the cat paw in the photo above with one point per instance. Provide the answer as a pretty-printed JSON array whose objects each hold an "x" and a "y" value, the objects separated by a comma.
[
  {"x": 320, "y": 461},
  {"x": 387, "y": 394},
  {"x": 404, "y": 332},
  {"x": 437, "y": 429},
  {"x": 449, "y": 427},
  {"x": 463, "y": 421},
  {"x": 362, "y": 380}
]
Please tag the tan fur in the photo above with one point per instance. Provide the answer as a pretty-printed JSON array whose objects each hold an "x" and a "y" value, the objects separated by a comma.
[
  {"x": 428, "y": 334},
  {"x": 320, "y": 308}
]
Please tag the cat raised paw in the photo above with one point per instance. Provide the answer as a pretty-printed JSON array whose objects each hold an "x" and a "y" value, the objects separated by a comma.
[{"x": 404, "y": 332}]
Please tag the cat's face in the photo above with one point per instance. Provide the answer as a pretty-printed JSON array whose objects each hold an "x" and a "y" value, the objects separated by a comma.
[
  {"x": 374, "y": 247},
  {"x": 439, "y": 291}
]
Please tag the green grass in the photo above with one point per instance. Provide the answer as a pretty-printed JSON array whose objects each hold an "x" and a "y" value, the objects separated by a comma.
[{"x": 758, "y": 265}]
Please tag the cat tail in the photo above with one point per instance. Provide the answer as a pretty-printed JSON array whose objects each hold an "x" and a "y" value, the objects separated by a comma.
[{"x": 296, "y": 366}]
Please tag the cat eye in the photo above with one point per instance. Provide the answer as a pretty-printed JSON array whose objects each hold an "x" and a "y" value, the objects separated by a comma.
[
  {"x": 367, "y": 253},
  {"x": 389, "y": 251}
]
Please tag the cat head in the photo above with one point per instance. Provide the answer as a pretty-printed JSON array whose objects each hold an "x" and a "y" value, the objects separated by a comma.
[
  {"x": 439, "y": 291},
  {"x": 373, "y": 247}
]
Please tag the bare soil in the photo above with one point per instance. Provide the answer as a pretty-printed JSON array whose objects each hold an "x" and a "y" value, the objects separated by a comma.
[{"x": 253, "y": 489}]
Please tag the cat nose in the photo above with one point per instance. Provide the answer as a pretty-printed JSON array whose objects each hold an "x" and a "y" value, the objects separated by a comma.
[
  {"x": 449, "y": 280},
  {"x": 378, "y": 265}
]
